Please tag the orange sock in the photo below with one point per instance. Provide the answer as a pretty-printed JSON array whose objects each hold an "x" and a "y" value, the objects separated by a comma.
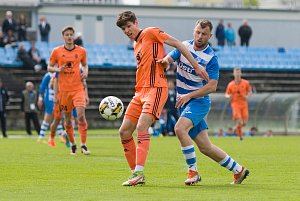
[
  {"x": 142, "y": 147},
  {"x": 239, "y": 131},
  {"x": 52, "y": 135},
  {"x": 82, "y": 128},
  {"x": 70, "y": 133},
  {"x": 129, "y": 151}
]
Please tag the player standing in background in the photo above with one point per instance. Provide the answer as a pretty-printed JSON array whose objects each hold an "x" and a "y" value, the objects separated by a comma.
[
  {"x": 71, "y": 91},
  {"x": 57, "y": 114},
  {"x": 46, "y": 95},
  {"x": 194, "y": 104},
  {"x": 238, "y": 91},
  {"x": 151, "y": 90}
]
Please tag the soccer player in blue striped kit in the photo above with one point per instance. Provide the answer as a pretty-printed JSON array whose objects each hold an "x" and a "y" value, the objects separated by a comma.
[{"x": 194, "y": 104}]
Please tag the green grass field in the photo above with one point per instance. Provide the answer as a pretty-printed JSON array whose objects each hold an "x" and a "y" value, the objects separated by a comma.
[{"x": 32, "y": 171}]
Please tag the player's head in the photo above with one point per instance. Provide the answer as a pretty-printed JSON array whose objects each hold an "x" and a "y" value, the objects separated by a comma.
[
  {"x": 127, "y": 21},
  {"x": 202, "y": 33},
  {"x": 237, "y": 73},
  {"x": 68, "y": 34}
]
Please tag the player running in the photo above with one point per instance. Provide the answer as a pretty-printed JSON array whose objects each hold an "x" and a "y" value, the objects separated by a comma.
[
  {"x": 46, "y": 95},
  {"x": 151, "y": 90},
  {"x": 194, "y": 104},
  {"x": 66, "y": 60},
  {"x": 238, "y": 91}
]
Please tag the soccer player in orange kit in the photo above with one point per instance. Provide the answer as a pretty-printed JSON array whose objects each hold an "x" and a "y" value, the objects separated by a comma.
[
  {"x": 66, "y": 60},
  {"x": 151, "y": 90},
  {"x": 238, "y": 91}
]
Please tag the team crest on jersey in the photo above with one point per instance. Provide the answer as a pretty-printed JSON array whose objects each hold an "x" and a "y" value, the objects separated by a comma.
[{"x": 138, "y": 57}]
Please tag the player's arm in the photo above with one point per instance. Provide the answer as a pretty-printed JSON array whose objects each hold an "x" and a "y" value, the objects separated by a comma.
[
  {"x": 85, "y": 71},
  {"x": 87, "y": 99},
  {"x": 228, "y": 93},
  {"x": 166, "y": 61},
  {"x": 85, "y": 68},
  {"x": 186, "y": 53},
  {"x": 55, "y": 69},
  {"x": 210, "y": 87},
  {"x": 55, "y": 88},
  {"x": 41, "y": 91}
]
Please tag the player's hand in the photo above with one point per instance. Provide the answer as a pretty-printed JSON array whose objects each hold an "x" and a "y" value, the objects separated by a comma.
[
  {"x": 202, "y": 73},
  {"x": 55, "y": 100},
  {"x": 182, "y": 100},
  {"x": 83, "y": 75},
  {"x": 62, "y": 68},
  {"x": 40, "y": 103},
  {"x": 164, "y": 62},
  {"x": 87, "y": 100}
]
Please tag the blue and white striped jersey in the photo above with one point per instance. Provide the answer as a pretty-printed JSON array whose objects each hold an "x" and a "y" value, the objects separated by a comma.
[
  {"x": 186, "y": 78},
  {"x": 45, "y": 88}
]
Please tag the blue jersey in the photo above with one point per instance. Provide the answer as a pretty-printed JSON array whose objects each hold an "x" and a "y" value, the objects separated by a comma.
[
  {"x": 188, "y": 81},
  {"x": 186, "y": 78},
  {"x": 46, "y": 89}
]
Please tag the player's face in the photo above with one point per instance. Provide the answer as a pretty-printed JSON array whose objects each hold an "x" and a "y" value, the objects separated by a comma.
[
  {"x": 237, "y": 74},
  {"x": 201, "y": 37},
  {"x": 68, "y": 37},
  {"x": 131, "y": 29}
]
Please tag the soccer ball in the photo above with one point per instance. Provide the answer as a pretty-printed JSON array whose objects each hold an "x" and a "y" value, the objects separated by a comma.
[{"x": 111, "y": 108}]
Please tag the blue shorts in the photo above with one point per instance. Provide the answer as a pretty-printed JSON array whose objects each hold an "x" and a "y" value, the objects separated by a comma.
[
  {"x": 196, "y": 110},
  {"x": 74, "y": 113},
  {"x": 49, "y": 105}
]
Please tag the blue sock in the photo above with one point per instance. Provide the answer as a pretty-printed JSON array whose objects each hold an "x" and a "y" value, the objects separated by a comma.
[
  {"x": 231, "y": 164},
  {"x": 190, "y": 157}
]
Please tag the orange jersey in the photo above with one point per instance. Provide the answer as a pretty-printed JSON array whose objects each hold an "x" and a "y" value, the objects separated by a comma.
[
  {"x": 238, "y": 91},
  {"x": 69, "y": 80},
  {"x": 148, "y": 47}
]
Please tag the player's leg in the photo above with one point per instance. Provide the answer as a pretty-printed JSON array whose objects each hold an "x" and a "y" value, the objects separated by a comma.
[
  {"x": 66, "y": 105},
  {"x": 182, "y": 129},
  {"x": 49, "y": 105},
  {"x": 237, "y": 117},
  {"x": 126, "y": 130},
  {"x": 53, "y": 128},
  {"x": 70, "y": 131},
  {"x": 244, "y": 119},
  {"x": 82, "y": 128},
  {"x": 217, "y": 154},
  {"x": 191, "y": 114},
  {"x": 44, "y": 127},
  {"x": 79, "y": 102}
]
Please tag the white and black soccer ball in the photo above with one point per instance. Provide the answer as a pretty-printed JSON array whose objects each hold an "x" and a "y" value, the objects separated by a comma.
[{"x": 111, "y": 108}]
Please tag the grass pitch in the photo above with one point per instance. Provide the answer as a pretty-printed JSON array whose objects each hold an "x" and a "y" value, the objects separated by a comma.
[{"x": 32, "y": 171}]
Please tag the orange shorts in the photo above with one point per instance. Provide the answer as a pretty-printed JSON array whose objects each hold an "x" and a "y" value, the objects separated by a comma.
[
  {"x": 149, "y": 100},
  {"x": 70, "y": 99},
  {"x": 240, "y": 112}
]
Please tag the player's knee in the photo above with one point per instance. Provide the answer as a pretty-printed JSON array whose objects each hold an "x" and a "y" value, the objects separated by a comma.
[
  {"x": 124, "y": 133},
  {"x": 81, "y": 119},
  {"x": 180, "y": 132}
]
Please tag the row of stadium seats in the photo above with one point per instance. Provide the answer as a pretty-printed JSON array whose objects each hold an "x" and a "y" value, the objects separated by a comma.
[{"x": 109, "y": 56}]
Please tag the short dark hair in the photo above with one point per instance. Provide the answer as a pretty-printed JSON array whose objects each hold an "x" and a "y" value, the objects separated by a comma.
[
  {"x": 67, "y": 28},
  {"x": 124, "y": 17},
  {"x": 204, "y": 23}
]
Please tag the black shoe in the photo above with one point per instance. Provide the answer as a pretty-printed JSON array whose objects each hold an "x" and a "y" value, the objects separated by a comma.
[
  {"x": 73, "y": 149},
  {"x": 85, "y": 150}
]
